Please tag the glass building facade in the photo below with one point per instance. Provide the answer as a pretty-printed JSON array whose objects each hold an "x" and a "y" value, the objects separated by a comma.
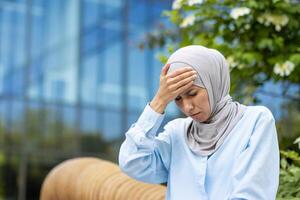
[{"x": 72, "y": 80}]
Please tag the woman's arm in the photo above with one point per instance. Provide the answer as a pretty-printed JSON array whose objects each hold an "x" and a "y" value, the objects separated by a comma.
[
  {"x": 256, "y": 172},
  {"x": 143, "y": 155}
]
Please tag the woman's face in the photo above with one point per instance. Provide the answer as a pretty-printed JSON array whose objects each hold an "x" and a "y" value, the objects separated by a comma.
[{"x": 194, "y": 103}]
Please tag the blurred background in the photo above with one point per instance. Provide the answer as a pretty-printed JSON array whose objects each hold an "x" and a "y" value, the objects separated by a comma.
[{"x": 75, "y": 74}]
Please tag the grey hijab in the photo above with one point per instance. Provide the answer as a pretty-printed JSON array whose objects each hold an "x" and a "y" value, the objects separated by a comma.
[{"x": 204, "y": 138}]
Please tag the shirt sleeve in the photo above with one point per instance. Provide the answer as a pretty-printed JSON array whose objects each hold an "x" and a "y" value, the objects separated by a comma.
[
  {"x": 256, "y": 172},
  {"x": 144, "y": 155}
]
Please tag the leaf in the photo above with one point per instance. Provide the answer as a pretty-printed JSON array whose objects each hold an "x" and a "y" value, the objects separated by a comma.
[
  {"x": 283, "y": 163},
  {"x": 161, "y": 57},
  {"x": 265, "y": 43},
  {"x": 295, "y": 58}
]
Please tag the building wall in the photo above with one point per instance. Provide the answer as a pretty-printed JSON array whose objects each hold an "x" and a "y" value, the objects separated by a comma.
[{"x": 72, "y": 80}]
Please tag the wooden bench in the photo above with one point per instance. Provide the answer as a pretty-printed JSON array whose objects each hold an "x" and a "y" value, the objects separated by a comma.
[{"x": 95, "y": 179}]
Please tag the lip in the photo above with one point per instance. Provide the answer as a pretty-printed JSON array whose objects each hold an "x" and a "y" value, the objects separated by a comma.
[{"x": 195, "y": 114}]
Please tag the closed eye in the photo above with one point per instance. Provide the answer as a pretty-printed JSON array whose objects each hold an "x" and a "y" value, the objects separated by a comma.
[
  {"x": 177, "y": 98},
  {"x": 193, "y": 94},
  {"x": 188, "y": 94}
]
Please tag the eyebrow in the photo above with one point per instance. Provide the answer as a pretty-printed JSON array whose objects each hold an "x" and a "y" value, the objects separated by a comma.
[{"x": 190, "y": 90}]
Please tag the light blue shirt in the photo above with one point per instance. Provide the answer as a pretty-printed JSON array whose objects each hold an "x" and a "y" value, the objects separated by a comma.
[{"x": 246, "y": 166}]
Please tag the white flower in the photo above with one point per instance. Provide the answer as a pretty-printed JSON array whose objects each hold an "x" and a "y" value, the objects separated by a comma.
[
  {"x": 277, "y": 20},
  {"x": 194, "y": 2},
  {"x": 238, "y": 12},
  {"x": 177, "y": 4},
  {"x": 284, "y": 69},
  {"x": 188, "y": 21}
]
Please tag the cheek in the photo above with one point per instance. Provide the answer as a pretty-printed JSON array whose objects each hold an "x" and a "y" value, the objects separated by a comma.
[
  {"x": 204, "y": 103},
  {"x": 208, "y": 110}
]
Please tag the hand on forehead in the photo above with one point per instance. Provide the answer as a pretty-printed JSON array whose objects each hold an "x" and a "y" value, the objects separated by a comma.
[
  {"x": 173, "y": 72},
  {"x": 178, "y": 68}
]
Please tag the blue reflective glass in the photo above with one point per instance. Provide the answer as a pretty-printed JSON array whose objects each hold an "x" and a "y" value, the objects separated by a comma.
[
  {"x": 90, "y": 77},
  {"x": 109, "y": 90},
  {"x": 54, "y": 62},
  {"x": 89, "y": 121},
  {"x": 18, "y": 116},
  {"x": 112, "y": 125}
]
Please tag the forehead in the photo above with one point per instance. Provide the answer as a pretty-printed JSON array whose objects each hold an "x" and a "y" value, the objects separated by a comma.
[{"x": 193, "y": 88}]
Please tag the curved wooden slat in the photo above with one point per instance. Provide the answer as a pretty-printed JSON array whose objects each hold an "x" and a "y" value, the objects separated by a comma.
[{"x": 95, "y": 179}]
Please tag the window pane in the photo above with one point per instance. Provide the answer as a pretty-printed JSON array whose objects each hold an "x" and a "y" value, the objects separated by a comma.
[
  {"x": 132, "y": 118},
  {"x": 137, "y": 91},
  {"x": 90, "y": 77},
  {"x": 112, "y": 125},
  {"x": 88, "y": 121},
  {"x": 58, "y": 53},
  {"x": 109, "y": 90}
]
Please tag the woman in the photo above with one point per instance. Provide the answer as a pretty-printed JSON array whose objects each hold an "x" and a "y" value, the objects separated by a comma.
[{"x": 222, "y": 150}]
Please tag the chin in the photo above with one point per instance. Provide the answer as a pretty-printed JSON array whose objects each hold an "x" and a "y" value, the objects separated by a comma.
[{"x": 200, "y": 119}]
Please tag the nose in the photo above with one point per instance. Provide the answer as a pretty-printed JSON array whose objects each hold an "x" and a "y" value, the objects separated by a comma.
[{"x": 188, "y": 107}]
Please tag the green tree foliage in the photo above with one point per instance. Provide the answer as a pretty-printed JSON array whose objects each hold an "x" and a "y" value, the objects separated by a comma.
[
  {"x": 288, "y": 125},
  {"x": 289, "y": 187},
  {"x": 260, "y": 39}
]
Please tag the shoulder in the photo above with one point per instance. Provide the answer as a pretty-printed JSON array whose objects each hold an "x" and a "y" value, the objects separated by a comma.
[
  {"x": 261, "y": 121},
  {"x": 177, "y": 126},
  {"x": 259, "y": 113}
]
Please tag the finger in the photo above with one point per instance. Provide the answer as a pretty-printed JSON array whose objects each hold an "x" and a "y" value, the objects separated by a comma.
[
  {"x": 180, "y": 71},
  {"x": 165, "y": 69},
  {"x": 182, "y": 76},
  {"x": 183, "y": 82},
  {"x": 184, "y": 87}
]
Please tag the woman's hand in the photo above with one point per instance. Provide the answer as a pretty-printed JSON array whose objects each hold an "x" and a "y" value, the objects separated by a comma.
[{"x": 171, "y": 86}]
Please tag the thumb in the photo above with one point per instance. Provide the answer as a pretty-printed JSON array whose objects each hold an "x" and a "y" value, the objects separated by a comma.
[{"x": 165, "y": 69}]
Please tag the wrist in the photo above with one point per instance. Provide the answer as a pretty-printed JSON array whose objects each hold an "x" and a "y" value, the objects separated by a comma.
[{"x": 158, "y": 105}]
